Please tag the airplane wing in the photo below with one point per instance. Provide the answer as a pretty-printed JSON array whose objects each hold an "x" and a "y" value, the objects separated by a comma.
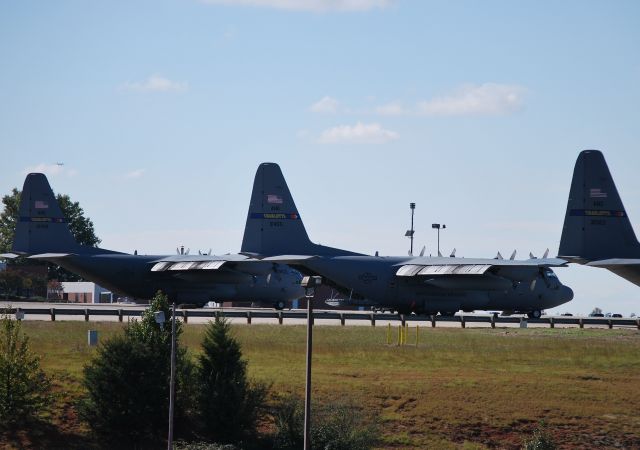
[
  {"x": 207, "y": 263},
  {"x": 9, "y": 255},
  {"x": 456, "y": 268},
  {"x": 47, "y": 256},
  {"x": 289, "y": 259}
]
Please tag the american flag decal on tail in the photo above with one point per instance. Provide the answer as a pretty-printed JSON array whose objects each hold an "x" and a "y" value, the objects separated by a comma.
[
  {"x": 274, "y": 199},
  {"x": 597, "y": 193}
]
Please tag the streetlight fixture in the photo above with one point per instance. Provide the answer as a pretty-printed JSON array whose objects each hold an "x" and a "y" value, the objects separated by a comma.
[
  {"x": 309, "y": 284},
  {"x": 437, "y": 226},
  {"x": 410, "y": 232}
]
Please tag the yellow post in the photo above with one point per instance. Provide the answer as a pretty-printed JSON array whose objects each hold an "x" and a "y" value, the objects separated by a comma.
[
  {"x": 417, "y": 334},
  {"x": 388, "y": 334},
  {"x": 399, "y": 335}
]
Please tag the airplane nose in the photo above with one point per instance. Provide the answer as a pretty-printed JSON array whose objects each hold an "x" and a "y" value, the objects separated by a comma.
[{"x": 567, "y": 293}]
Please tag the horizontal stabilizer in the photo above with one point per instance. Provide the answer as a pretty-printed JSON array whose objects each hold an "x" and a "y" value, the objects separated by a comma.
[{"x": 614, "y": 262}]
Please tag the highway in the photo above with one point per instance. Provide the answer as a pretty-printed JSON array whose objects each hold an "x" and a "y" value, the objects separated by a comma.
[{"x": 122, "y": 312}]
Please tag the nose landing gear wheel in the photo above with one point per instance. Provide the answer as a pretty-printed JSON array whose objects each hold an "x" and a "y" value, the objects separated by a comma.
[{"x": 279, "y": 305}]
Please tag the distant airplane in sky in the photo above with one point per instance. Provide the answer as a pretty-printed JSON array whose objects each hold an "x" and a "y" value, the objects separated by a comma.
[
  {"x": 597, "y": 231},
  {"x": 42, "y": 233},
  {"x": 428, "y": 285}
]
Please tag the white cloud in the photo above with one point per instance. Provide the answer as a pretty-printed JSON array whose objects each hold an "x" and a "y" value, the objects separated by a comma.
[
  {"x": 359, "y": 133},
  {"x": 390, "y": 109},
  {"x": 325, "y": 105},
  {"x": 484, "y": 99},
  {"x": 308, "y": 5},
  {"x": 50, "y": 170},
  {"x": 135, "y": 173},
  {"x": 156, "y": 83}
]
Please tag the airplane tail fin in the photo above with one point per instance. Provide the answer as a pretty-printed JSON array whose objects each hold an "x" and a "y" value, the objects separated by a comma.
[
  {"x": 274, "y": 226},
  {"x": 596, "y": 225},
  {"x": 41, "y": 226}
]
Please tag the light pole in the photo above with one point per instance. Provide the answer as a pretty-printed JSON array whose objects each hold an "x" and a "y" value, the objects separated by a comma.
[
  {"x": 172, "y": 383},
  {"x": 160, "y": 319},
  {"x": 309, "y": 283},
  {"x": 410, "y": 232},
  {"x": 437, "y": 226}
]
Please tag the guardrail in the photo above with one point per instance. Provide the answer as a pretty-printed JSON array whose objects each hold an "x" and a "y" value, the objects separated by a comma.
[{"x": 372, "y": 317}]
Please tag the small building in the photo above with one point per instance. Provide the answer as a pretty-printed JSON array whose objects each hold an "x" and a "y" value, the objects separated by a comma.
[{"x": 85, "y": 292}]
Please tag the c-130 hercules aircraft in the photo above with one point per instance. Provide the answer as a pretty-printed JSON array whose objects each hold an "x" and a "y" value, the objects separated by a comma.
[
  {"x": 597, "y": 231},
  {"x": 42, "y": 233},
  {"x": 425, "y": 285}
]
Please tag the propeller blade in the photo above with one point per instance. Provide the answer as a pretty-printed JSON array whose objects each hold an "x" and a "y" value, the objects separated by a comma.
[
  {"x": 513, "y": 255},
  {"x": 209, "y": 253},
  {"x": 188, "y": 250},
  {"x": 424, "y": 247},
  {"x": 531, "y": 256},
  {"x": 453, "y": 253},
  {"x": 439, "y": 254},
  {"x": 546, "y": 253},
  {"x": 498, "y": 256}
]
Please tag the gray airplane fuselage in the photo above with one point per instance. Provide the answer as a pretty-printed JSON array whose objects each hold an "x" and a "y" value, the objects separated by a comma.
[
  {"x": 131, "y": 275},
  {"x": 42, "y": 233},
  {"x": 375, "y": 278}
]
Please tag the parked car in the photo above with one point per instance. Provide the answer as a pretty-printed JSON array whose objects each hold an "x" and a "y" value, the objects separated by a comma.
[
  {"x": 596, "y": 315},
  {"x": 616, "y": 315}
]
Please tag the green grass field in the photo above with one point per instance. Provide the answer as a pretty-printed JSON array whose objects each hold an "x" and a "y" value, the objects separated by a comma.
[{"x": 472, "y": 388}]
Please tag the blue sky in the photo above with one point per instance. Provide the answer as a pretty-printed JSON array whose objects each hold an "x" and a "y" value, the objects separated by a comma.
[{"x": 162, "y": 110}]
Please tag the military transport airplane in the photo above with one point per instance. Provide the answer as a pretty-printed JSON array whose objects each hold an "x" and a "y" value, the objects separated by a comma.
[
  {"x": 597, "y": 231},
  {"x": 42, "y": 233},
  {"x": 275, "y": 232}
]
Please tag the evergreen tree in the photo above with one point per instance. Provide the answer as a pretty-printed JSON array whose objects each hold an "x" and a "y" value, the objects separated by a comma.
[
  {"x": 127, "y": 383},
  {"x": 24, "y": 387},
  {"x": 228, "y": 403}
]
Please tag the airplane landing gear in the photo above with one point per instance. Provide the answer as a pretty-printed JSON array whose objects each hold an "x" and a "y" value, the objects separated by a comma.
[
  {"x": 535, "y": 314},
  {"x": 279, "y": 305}
]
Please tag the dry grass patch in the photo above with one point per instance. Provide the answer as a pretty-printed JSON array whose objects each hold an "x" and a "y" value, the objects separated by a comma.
[{"x": 472, "y": 388}]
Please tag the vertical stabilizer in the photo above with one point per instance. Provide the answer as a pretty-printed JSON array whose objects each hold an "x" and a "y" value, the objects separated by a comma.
[
  {"x": 274, "y": 226},
  {"x": 596, "y": 225},
  {"x": 41, "y": 227}
]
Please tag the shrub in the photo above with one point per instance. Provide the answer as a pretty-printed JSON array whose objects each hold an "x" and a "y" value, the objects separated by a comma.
[
  {"x": 25, "y": 390},
  {"x": 335, "y": 426},
  {"x": 228, "y": 403},
  {"x": 541, "y": 440},
  {"x": 127, "y": 383}
]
